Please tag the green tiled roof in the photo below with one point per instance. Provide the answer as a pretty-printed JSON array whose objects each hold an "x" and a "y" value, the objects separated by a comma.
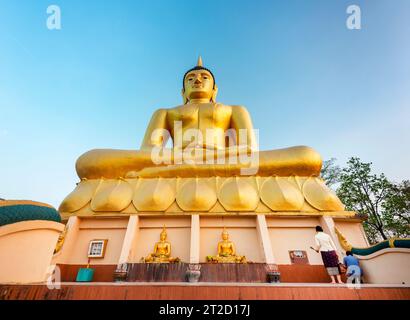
[{"x": 17, "y": 211}]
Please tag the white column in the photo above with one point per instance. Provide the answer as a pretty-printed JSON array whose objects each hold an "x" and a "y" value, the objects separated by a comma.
[
  {"x": 264, "y": 238},
  {"x": 130, "y": 235},
  {"x": 195, "y": 238}
]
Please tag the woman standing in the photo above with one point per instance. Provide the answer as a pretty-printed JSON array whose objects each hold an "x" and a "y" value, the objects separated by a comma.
[{"x": 327, "y": 249}]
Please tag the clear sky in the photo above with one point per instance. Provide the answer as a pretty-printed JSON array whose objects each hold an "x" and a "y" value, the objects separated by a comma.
[{"x": 305, "y": 78}]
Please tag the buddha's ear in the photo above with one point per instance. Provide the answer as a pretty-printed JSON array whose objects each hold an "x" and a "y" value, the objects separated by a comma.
[
  {"x": 184, "y": 98},
  {"x": 214, "y": 93}
]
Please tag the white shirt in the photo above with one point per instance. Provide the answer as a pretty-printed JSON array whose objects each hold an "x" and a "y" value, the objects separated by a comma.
[{"x": 324, "y": 242}]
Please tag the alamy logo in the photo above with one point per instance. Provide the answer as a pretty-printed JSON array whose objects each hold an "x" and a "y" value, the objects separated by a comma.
[
  {"x": 53, "y": 277},
  {"x": 54, "y": 18},
  {"x": 354, "y": 20}
]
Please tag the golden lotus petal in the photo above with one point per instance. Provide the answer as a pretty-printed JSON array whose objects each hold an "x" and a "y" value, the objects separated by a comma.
[
  {"x": 112, "y": 195},
  {"x": 196, "y": 195},
  {"x": 238, "y": 194},
  {"x": 319, "y": 196},
  {"x": 281, "y": 195},
  {"x": 80, "y": 196},
  {"x": 155, "y": 194}
]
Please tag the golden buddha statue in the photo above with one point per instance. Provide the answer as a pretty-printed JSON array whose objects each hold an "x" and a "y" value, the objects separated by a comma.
[
  {"x": 201, "y": 129},
  {"x": 214, "y": 165},
  {"x": 226, "y": 251},
  {"x": 162, "y": 251}
]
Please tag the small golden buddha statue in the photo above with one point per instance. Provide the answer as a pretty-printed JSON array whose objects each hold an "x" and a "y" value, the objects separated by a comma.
[
  {"x": 198, "y": 128},
  {"x": 226, "y": 251},
  {"x": 162, "y": 251},
  {"x": 61, "y": 239}
]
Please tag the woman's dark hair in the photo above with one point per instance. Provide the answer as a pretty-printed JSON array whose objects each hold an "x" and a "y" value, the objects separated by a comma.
[
  {"x": 348, "y": 253},
  {"x": 319, "y": 229}
]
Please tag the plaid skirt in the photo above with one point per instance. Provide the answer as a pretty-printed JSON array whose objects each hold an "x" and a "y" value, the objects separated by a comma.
[{"x": 330, "y": 259}]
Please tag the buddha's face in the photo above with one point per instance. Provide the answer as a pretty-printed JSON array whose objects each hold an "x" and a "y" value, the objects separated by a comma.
[
  {"x": 199, "y": 84},
  {"x": 225, "y": 235},
  {"x": 163, "y": 236}
]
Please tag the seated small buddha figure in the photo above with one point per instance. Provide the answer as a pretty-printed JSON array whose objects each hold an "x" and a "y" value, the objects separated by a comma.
[
  {"x": 226, "y": 251},
  {"x": 162, "y": 251},
  {"x": 200, "y": 129}
]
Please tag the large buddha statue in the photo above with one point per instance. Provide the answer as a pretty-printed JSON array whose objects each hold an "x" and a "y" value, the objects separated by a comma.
[
  {"x": 209, "y": 139},
  {"x": 162, "y": 251},
  {"x": 226, "y": 251},
  {"x": 213, "y": 165}
]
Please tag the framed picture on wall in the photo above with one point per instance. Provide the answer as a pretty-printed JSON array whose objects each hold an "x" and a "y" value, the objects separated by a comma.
[
  {"x": 97, "y": 247},
  {"x": 298, "y": 257}
]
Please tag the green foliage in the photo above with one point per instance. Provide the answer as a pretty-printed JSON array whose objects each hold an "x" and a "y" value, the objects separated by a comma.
[
  {"x": 397, "y": 210},
  {"x": 385, "y": 204},
  {"x": 330, "y": 172}
]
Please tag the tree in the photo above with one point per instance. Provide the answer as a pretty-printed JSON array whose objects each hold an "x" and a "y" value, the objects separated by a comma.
[
  {"x": 385, "y": 204},
  {"x": 330, "y": 172},
  {"x": 397, "y": 209}
]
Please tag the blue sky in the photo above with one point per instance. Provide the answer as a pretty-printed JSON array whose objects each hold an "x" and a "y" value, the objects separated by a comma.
[{"x": 305, "y": 78}]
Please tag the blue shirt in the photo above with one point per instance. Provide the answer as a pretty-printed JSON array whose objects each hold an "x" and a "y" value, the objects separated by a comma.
[{"x": 350, "y": 261}]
